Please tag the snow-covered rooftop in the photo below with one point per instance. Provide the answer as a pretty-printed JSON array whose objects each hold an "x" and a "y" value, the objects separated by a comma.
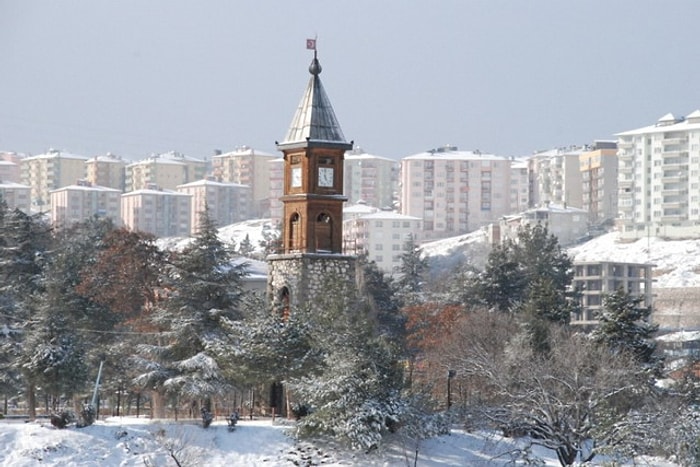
[
  {"x": 54, "y": 154},
  {"x": 85, "y": 188},
  {"x": 149, "y": 191},
  {"x": 668, "y": 123},
  {"x": 389, "y": 215},
  {"x": 207, "y": 182},
  {"x": 244, "y": 151},
  {"x": 452, "y": 153},
  {"x": 8, "y": 184}
]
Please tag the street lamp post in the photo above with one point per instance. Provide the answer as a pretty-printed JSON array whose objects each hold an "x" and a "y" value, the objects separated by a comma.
[{"x": 450, "y": 374}]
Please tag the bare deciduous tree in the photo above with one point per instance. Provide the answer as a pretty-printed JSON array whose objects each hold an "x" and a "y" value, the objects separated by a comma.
[{"x": 575, "y": 399}]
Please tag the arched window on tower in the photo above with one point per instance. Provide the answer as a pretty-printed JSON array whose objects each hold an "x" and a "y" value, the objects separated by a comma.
[
  {"x": 294, "y": 240},
  {"x": 284, "y": 303},
  {"x": 324, "y": 233}
]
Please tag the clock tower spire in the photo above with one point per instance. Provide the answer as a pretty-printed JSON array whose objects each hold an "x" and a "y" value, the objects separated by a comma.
[{"x": 312, "y": 235}]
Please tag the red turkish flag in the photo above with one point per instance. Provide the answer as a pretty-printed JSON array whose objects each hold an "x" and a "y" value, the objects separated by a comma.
[{"x": 311, "y": 44}]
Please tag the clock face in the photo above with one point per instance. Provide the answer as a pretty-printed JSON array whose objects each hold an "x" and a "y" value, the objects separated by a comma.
[
  {"x": 296, "y": 176},
  {"x": 325, "y": 176}
]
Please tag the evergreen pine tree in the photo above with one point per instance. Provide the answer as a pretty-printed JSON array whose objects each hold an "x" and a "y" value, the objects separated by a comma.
[
  {"x": 624, "y": 325},
  {"x": 246, "y": 247},
  {"x": 66, "y": 333},
  {"x": 502, "y": 285},
  {"x": 411, "y": 273},
  {"x": 378, "y": 289},
  {"x": 354, "y": 395},
  {"x": 202, "y": 296},
  {"x": 24, "y": 241},
  {"x": 530, "y": 276}
]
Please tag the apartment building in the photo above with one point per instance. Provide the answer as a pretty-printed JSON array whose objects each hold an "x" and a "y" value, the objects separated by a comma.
[
  {"x": 382, "y": 235},
  {"x": 453, "y": 191},
  {"x": 163, "y": 213},
  {"x": 567, "y": 223},
  {"x": 353, "y": 211},
  {"x": 276, "y": 170},
  {"x": 10, "y": 167},
  {"x": 166, "y": 171},
  {"x": 75, "y": 203},
  {"x": 599, "y": 178},
  {"x": 519, "y": 186},
  {"x": 599, "y": 278},
  {"x": 659, "y": 179},
  {"x": 555, "y": 177},
  {"x": 370, "y": 178},
  {"x": 247, "y": 166},
  {"x": 227, "y": 203},
  {"x": 16, "y": 195},
  {"x": 46, "y": 172},
  {"x": 107, "y": 171}
]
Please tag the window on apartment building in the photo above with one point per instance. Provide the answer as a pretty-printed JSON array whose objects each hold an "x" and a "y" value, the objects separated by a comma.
[
  {"x": 396, "y": 236},
  {"x": 396, "y": 247},
  {"x": 378, "y": 247},
  {"x": 593, "y": 300},
  {"x": 406, "y": 224},
  {"x": 395, "y": 224},
  {"x": 378, "y": 224}
]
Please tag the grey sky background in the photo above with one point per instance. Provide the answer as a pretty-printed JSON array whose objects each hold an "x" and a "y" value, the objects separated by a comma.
[{"x": 134, "y": 77}]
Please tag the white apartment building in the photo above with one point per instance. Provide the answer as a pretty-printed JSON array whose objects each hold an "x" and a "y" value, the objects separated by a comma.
[
  {"x": 247, "y": 166},
  {"x": 163, "y": 213},
  {"x": 227, "y": 203},
  {"x": 16, "y": 195},
  {"x": 371, "y": 179},
  {"x": 659, "y": 179},
  {"x": 167, "y": 171},
  {"x": 353, "y": 211},
  {"x": 46, "y": 172},
  {"x": 276, "y": 170},
  {"x": 382, "y": 235},
  {"x": 75, "y": 203},
  {"x": 567, "y": 223},
  {"x": 108, "y": 171},
  {"x": 519, "y": 186},
  {"x": 453, "y": 191},
  {"x": 555, "y": 177},
  {"x": 10, "y": 167},
  {"x": 599, "y": 177}
]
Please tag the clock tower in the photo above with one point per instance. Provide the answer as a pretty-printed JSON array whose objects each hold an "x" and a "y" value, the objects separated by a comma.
[{"x": 312, "y": 234}]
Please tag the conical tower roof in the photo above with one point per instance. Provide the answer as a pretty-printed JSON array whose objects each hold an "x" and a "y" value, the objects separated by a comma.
[{"x": 314, "y": 123}]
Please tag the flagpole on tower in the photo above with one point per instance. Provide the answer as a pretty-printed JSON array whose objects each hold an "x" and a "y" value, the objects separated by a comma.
[{"x": 311, "y": 45}]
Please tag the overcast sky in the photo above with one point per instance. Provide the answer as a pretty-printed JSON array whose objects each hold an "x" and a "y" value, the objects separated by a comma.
[{"x": 134, "y": 77}]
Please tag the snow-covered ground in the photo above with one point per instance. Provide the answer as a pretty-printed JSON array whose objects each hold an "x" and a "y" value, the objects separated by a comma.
[
  {"x": 676, "y": 262},
  {"x": 126, "y": 441}
]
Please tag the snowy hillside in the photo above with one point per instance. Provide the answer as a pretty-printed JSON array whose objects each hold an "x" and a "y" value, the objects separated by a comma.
[
  {"x": 677, "y": 262},
  {"x": 254, "y": 229}
]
